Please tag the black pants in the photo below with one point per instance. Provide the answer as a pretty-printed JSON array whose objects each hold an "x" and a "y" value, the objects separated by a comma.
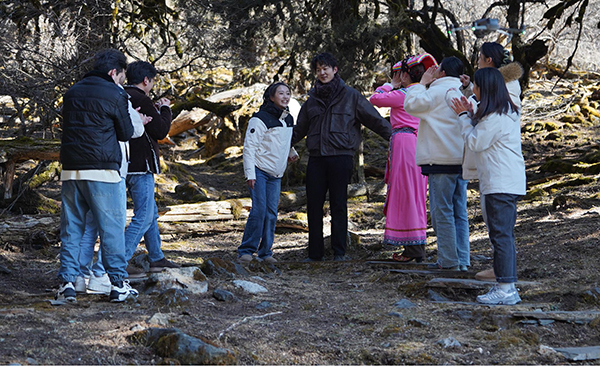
[{"x": 323, "y": 174}]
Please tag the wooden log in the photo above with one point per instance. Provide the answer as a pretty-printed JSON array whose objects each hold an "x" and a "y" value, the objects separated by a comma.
[
  {"x": 564, "y": 316},
  {"x": 470, "y": 284}
]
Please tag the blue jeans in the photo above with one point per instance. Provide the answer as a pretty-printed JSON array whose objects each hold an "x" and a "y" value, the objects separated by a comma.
[
  {"x": 501, "y": 211},
  {"x": 448, "y": 207},
  {"x": 88, "y": 242},
  {"x": 105, "y": 201},
  {"x": 259, "y": 233},
  {"x": 145, "y": 214}
]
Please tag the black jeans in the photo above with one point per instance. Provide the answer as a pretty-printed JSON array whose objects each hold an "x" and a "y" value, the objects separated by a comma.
[{"x": 323, "y": 174}]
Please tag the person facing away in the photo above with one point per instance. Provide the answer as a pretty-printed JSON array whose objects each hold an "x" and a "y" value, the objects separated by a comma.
[
  {"x": 440, "y": 154},
  {"x": 491, "y": 54},
  {"x": 267, "y": 149},
  {"x": 331, "y": 120},
  {"x": 493, "y": 134},
  {"x": 405, "y": 206},
  {"x": 93, "y": 277},
  {"x": 95, "y": 118},
  {"x": 144, "y": 163}
]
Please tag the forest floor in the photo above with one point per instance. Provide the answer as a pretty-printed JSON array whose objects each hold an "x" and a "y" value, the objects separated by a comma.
[{"x": 345, "y": 312}]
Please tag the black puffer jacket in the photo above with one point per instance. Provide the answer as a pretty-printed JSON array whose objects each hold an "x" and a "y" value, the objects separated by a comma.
[
  {"x": 334, "y": 128},
  {"x": 95, "y": 118}
]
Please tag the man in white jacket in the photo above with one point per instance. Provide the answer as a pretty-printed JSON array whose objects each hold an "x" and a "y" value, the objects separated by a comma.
[{"x": 440, "y": 154}]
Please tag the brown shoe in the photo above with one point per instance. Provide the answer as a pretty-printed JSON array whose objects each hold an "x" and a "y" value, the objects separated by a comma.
[
  {"x": 244, "y": 259},
  {"x": 162, "y": 264},
  {"x": 269, "y": 260},
  {"x": 135, "y": 272},
  {"x": 487, "y": 275}
]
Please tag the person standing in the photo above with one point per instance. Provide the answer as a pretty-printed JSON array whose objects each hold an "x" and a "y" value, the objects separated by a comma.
[
  {"x": 405, "y": 206},
  {"x": 144, "y": 163},
  {"x": 331, "y": 120},
  {"x": 493, "y": 134},
  {"x": 95, "y": 118},
  {"x": 267, "y": 149},
  {"x": 440, "y": 154}
]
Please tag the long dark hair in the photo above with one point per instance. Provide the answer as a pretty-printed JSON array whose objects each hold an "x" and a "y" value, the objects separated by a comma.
[
  {"x": 493, "y": 94},
  {"x": 500, "y": 56}
]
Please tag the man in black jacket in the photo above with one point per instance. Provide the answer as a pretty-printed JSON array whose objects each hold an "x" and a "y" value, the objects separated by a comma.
[
  {"x": 331, "y": 119},
  {"x": 95, "y": 118},
  {"x": 145, "y": 162}
]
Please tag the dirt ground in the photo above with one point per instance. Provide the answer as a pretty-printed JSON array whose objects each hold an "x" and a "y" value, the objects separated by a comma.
[{"x": 343, "y": 312}]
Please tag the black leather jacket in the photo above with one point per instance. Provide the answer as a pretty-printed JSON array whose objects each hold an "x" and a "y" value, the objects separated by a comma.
[
  {"x": 334, "y": 129},
  {"x": 95, "y": 118}
]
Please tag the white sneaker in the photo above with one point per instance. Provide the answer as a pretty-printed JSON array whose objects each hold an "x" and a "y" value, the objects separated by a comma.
[
  {"x": 80, "y": 284},
  {"x": 66, "y": 292},
  {"x": 122, "y": 291},
  {"x": 244, "y": 259},
  {"x": 497, "y": 296},
  {"x": 99, "y": 285}
]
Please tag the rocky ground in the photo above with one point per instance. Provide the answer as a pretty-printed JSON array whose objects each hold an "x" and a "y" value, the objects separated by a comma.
[{"x": 363, "y": 311}]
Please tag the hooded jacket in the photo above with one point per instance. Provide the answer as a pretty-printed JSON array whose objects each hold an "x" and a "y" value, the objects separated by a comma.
[
  {"x": 438, "y": 141},
  {"x": 145, "y": 155},
  {"x": 496, "y": 145},
  {"x": 334, "y": 128},
  {"x": 95, "y": 118},
  {"x": 267, "y": 141}
]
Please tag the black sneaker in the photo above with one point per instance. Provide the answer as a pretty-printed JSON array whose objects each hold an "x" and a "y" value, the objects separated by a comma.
[
  {"x": 66, "y": 292},
  {"x": 121, "y": 290},
  {"x": 135, "y": 272},
  {"x": 162, "y": 264},
  {"x": 341, "y": 258}
]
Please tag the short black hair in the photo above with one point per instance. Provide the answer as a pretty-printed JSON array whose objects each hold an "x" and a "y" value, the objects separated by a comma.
[
  {"x": 138, "y": 70},
  {"x": 110, "y": 59},
  {"x": 323, "y": 59},
  {"x": 452, "y": 66}
]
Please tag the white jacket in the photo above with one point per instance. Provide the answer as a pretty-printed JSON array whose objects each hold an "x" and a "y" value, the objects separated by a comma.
[
  {"x": 496, "y": 144},
  {"x": 138, "y": 131},
  {"x": 438, "y": 141},
  {"x": 267, "y": 148}
]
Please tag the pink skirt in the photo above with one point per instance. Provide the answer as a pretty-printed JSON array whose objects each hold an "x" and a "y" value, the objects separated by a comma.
[{"x": 406, "y": 202}]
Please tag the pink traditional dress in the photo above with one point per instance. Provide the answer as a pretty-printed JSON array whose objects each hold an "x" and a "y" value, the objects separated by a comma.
[{"x": 405, "y": 207}]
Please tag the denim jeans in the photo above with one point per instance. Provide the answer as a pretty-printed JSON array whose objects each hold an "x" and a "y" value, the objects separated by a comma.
[
  {"x": 105, "y": 201},
  {"x": 323, "y": 174},
  {"x": 259, "y": 233},
  {"x": 145, "y": 214},
  {"x": 448, "y": 207},
  {"x": 501, "y": 211}
]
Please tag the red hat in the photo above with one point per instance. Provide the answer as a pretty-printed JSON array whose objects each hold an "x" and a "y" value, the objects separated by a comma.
[{"x": 426, "y": 59}]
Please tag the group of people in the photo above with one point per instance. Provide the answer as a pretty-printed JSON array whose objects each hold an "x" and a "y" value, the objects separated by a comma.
[
  {"x": 110, "y": 144},
  {"x": 443, "y": 131}
]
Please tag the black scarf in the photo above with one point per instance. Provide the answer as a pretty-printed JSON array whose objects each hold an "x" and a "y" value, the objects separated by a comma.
[{"x": 326, "y": 91}]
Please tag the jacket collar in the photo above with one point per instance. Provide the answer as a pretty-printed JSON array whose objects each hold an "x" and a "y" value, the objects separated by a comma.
[
  {"x": 99, "y": 74},
  {"x": 511, "y": 72}
]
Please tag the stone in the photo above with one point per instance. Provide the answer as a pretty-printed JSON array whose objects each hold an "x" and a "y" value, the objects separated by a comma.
[
  {"x": 189, "y": 278},
  {"x": 191, "y": 192},
  {"x": 418, "y": 323},
  {"x": 404, "y": 304},
  {"x": 223, "y": 295},
  {"x": 159, "y": 319},
  {"x": 449, "y": 343},
  {"x": 434, "y": 296},
  {"x": 263, "y": 305},
  {"x": 396, "y": 314},
  {"x": 580, "y": 353},
  {"x": 185, "y": 349},
  {"x": 545, "y": 350},
  {"x": 174, "y": 297},
  {"x": 250, "y": 287}
]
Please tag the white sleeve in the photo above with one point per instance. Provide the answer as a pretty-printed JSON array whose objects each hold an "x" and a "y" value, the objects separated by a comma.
[
  {"x": 254, "y": 136},
  {"x": 418, "y": 100},
  {"x": 485, "y": 134},
  {"x": 136, "y": 120}
]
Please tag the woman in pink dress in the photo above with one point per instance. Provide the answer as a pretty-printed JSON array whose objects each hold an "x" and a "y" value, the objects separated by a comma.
[{"x": 406, "y": 203}]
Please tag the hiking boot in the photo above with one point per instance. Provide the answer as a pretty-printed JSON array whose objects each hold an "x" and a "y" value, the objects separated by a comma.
[
  {"x": 99, "y": 285},
  {"x": 244, "y": 259},
  {"x": 269, "y": 260},
  {"x": 162, "y": 264},
  {"x": 438, "y": 266},
  {"x": 487, "y": 275},
  {"x": 496, "y": 296},
  {"x": 66, "y": 292},
  {"x": 80, "y": 285},
  {"x": 121, "y": 290},
  {"x": 309, "y": 259},
  {"x": 135, "y": 272}
]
